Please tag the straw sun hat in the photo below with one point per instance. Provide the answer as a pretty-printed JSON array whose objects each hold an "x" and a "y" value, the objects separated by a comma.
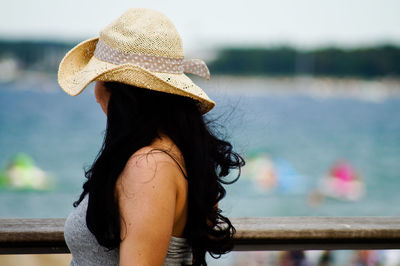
[{"x": 141, "y": 48}]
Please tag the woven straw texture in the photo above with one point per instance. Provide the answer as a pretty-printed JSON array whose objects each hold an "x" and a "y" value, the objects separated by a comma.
[
  {"x": 137, "y": 31},
  {"x": 151, "y": 33}
]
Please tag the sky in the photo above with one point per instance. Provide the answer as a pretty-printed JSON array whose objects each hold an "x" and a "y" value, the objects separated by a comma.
[{"x": 216, "y": 23}]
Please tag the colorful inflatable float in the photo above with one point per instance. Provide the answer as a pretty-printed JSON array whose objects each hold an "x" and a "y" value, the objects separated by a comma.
[
  {"x": 342, "y": 182},
  {"x": 21, "y": 173},
  {"x": 273, "y": 175}
]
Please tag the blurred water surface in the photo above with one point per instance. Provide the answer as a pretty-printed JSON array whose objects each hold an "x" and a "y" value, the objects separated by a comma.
[{"x": 63, "y": 134}]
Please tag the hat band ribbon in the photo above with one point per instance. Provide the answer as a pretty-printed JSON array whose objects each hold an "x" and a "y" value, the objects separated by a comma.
[{"x": 151, "y": 62}]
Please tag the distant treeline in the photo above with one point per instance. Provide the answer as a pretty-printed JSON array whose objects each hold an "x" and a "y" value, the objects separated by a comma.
[
  {"x": 365, "y": 62},
  {"x": 34, "y": 55}
]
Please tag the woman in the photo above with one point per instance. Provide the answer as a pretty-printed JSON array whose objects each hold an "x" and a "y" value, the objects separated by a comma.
[{"x": 151, "y": 196}]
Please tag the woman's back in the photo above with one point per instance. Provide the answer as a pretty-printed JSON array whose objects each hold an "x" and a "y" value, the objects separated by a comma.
[{"x": 142, "y": 168}]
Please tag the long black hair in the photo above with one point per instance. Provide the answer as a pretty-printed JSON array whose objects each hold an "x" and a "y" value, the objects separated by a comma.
[{"x": 136, "y": 117}]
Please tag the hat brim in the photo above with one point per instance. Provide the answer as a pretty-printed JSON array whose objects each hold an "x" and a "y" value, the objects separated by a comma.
[{"x": 79, "y": 68}]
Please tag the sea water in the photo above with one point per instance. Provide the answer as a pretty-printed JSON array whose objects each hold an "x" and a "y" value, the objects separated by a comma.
[{"x": 63, "y": 134}]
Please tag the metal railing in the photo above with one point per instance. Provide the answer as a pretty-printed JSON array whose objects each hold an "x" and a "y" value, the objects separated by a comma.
[{"x": 39, "y": 236}]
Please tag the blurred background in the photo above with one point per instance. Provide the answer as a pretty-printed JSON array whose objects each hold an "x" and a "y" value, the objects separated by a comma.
[{"x": 307, "y": 91}]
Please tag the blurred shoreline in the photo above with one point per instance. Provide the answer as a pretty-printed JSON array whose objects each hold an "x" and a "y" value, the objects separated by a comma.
[{"x": 374, "y": 90}]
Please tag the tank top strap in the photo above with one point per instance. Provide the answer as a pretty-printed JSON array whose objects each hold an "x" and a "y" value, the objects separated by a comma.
[{"x": 174, "y": 159}]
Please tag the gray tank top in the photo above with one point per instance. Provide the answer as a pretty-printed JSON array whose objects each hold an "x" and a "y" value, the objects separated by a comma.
[{"x": 86, "y": 251}]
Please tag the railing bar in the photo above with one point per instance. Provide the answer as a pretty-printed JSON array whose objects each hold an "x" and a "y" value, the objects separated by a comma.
[{"x": 38, "y": 236}]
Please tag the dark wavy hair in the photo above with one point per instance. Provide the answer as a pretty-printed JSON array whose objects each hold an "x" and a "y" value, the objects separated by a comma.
[{"x": 135, "y": 117}]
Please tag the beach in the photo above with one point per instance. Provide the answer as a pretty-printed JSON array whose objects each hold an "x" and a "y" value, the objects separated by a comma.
[{"x": 35, "y": 260}]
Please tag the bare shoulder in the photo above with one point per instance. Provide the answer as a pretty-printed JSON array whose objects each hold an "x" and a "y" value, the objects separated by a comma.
[{"x": 149, "y": 166}]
